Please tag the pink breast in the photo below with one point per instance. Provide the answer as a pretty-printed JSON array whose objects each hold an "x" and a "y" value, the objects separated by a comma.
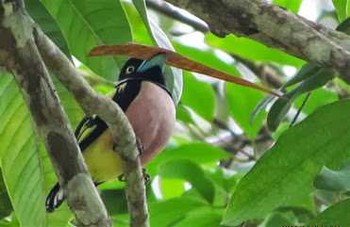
[{"x": 152, "y": 116}]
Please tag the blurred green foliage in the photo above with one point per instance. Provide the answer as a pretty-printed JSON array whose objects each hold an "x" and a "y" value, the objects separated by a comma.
[{"x": 222, "y": 166}]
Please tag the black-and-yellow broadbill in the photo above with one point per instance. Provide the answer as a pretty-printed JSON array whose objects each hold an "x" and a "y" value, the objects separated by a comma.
[{"x": 143, "y": 95}]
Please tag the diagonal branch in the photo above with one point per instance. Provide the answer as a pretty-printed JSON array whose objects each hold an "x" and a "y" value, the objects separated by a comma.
[
  {"x": 274, "y": 27},
  {"x": 20, "y": 56}
]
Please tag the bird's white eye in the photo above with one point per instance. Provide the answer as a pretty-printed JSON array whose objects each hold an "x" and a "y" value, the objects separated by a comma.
[{"x": 130, "y": 69}]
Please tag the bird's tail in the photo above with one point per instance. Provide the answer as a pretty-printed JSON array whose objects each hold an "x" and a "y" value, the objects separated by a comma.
[{"x": 55, "y": 198}]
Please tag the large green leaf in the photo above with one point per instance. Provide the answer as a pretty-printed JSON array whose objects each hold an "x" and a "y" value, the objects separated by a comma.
[
  {"x": 47, "y": 23},
  {"x": 19, "y": 157},
  {"x": 336, "y": 215},
  {"x": 31, "y": 179},
  {"x": 87, "y": 24},
  {"x": 284, "y": 175}
]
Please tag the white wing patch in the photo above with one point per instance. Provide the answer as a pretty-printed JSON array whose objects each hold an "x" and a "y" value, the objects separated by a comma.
[{"x": 121, "y": 88}]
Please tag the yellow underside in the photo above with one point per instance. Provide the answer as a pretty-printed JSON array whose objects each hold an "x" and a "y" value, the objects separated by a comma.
[{"x": 103, "y": 163}]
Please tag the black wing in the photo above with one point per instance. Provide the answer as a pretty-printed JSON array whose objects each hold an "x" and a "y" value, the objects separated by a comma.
[{"x": 90, "y": 128}]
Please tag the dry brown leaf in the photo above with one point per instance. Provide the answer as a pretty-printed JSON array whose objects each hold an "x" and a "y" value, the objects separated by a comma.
[{"x": 173, "y": 59}]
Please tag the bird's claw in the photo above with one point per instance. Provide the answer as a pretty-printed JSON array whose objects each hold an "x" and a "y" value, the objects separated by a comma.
[
  {"x": 146, "y": 176},
  {"x": 121, "y": 178}
]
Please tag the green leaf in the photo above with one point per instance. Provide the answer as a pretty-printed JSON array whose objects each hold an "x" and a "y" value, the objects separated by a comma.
[
  {"x": 139, "y": 30},
  {"x": 201, "y": 217},
  {"x": 284, "y": 175},
  {"x": 278, "y": 111},
  {"x": 333, "y": 180},
  {"x": 282, "y": 105},
  {"x": 200, "y": 153},
  {"x": 140, "y": 5},
  {"x": 173, "y": 75},
  {"x": 171, "y": 187},
  {"x": 242, "y": 102},
  {"x": 87, "y": 24},
  {"x": 249, "y": 49},
  {"x": 341, "y": 7},
  {"x": 305, "y": 72},
  {"x": 5, "y": 203},
  {"x": 336, "y": 215},
  {"x": 278, "y": 219},
  {"x": 291, "y": 5},
  {"x": 345, "y": 27},
  {"x": 191, "y": 172},
  {"x": 31, "y": 180},
  {"x": 310, "y": 77},
  {"x": 47, "y": 23},
  {"x": 19, "y": 157},
  {"x": 166, "y": 213},
  {"x": 199, "y": 96},
  {"x": 183, "y": 114},
  {"x": 115, "y": 201},
  {"x": 223, "y": 183}
]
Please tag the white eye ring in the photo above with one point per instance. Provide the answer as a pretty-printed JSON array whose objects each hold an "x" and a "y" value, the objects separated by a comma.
[{"x": 130, "y": 69}]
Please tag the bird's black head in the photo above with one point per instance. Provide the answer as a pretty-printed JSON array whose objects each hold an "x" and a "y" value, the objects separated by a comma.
[{"x": 150, "y": 69}]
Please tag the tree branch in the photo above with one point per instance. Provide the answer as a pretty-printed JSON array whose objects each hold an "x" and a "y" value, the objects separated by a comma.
[
  {"x": 20, "y": 56},
  {"x": 274, "y": 27},
  {"x": 175, "y": 13},
  {"x": 110, "y": 112}
]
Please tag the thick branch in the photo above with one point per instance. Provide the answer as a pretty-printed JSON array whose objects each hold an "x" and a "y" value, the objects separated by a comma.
[
  {"x": 275, "y": 27},
  {"x": 19, "y": 54},
  {"x": 111, "y": 113}
]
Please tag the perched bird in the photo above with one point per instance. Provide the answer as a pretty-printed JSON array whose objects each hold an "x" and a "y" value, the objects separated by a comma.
[{"x": 142, "y": 94}]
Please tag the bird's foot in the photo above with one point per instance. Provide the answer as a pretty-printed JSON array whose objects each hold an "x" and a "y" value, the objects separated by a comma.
[
  {"x": 121, "y": 178},
  {"x": 146, "y": 176}
]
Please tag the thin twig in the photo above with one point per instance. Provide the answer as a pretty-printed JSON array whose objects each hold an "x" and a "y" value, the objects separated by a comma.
[
  {"x": 178, "y": 14},
  {"x": 300, "y": 109}
]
